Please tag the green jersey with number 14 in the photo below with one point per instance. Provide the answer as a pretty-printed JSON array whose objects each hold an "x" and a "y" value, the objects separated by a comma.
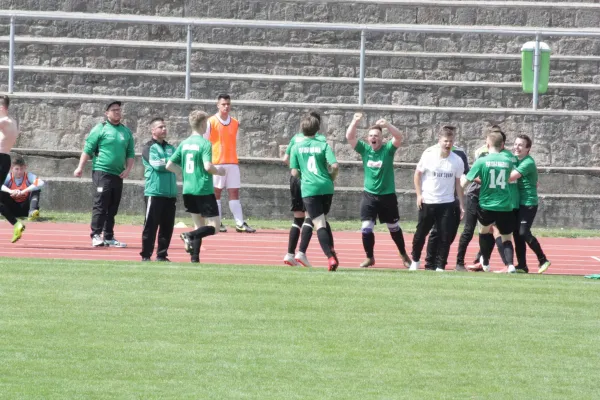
[
  {"x": 311, "y": 157},
  {"x": 494, "y": 171},
  {"x": 191, "y": 155}
]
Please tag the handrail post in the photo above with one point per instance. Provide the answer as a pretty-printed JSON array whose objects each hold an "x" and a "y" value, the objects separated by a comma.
[
  {"x": 188, "y": 62},
  {"x": 536, "y": 71},
  {"x": 11, "y": 56},
  {"x": 361, "y": 80}
]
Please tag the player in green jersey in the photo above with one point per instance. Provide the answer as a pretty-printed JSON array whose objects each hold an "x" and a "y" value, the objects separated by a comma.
[
  {"x": 110, "y": 146},
  {"x": 495, "y": 199},
  {"x": 302, "y": 227},
  {"x": 309, "y": 161},
  {"x": 526, "y": 173},
  {"x": 194, "y": 158},
  {"x": 379, "y": 195}
]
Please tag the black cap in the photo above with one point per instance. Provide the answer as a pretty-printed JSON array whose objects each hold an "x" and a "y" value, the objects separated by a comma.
[{"x": 113, "y": 103}]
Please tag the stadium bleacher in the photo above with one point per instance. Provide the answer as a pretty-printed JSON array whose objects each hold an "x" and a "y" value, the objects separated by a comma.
[{"x": 65, "y": 70}]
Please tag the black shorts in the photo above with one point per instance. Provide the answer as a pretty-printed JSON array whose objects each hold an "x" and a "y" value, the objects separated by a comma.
[
  {"x": 318, "y": 205},
  {"x": 296, "y": 192},
  {"x": 205, "y": 205},
  {"x": 504, "y": 220},
  {"x": 4, "y": 166},
  {"x": 385, "y": 206}
]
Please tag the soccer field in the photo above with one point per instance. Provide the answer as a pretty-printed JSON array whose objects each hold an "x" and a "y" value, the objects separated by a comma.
[{"x": 83, "y": 329}]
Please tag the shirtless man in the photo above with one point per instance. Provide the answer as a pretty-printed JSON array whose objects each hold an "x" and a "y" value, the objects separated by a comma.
[{"x": 8, "y": 136}]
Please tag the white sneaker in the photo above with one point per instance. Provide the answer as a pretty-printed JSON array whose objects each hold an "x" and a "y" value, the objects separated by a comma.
[
  {"x": 114, "y": 243},
  {"x": 97, "y": 241},
  {"x": 512, "y": 269},
  {"x": 440, "y": 270},
  {"x": 486, "y": 268},
  {"x": 288, "y": 259},
  {"x": 414, "y": 266},
  {"x": 302, "y": 259}
]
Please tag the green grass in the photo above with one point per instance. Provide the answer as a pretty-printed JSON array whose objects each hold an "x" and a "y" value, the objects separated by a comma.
[
  {"x": 94, "y": 330},
  {"x": 337, "y": 225}
]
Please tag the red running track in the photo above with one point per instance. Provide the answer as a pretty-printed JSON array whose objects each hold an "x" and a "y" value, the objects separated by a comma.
[{"x": 267, "y": 247}]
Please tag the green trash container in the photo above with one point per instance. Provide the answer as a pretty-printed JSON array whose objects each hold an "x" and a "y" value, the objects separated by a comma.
[{"x": 527, "y": 56}]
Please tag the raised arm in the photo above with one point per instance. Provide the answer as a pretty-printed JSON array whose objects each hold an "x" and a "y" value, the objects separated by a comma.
[
  {"x": 351, "y": 131},
  {"x": 395, "y": 132}
]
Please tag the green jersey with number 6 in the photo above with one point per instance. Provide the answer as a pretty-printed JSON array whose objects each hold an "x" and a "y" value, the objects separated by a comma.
[
  {"x": 311, "y": 157},
  {"x": 494, "y": 171},
  {"x": 191, "y": 155}
]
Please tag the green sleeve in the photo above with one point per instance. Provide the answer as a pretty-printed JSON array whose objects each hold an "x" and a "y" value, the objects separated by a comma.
[
  {"x": 526, "y": 167},
  {"x": 155, "y": 161},
  {"x": 130, "y": 146},
  {"x": 391, "y": 148},
  {"x": 360, "y": 147},
  {"x": 294, "y": 160},
  {"x": 207, "y": 152},
  {"x": 475, "y": 170},
  {"x": 329, "y": 156},
  {"x": 176, "y": 157},
  {"x": 91, "y": 142}
]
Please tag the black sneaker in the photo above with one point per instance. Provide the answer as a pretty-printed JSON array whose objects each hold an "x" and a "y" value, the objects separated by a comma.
[
  {"x": 460, "y": 268},
  {"x": 146, "y": 259},
  {"x": 187, "y": 244},
  {"x": 222, "y": 228},
  {"x": 195, "y": 260},
  {"x": 162, "y": 259}
]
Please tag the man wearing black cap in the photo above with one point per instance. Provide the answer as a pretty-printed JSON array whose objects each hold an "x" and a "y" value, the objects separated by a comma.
[{"x": 110, "y": 146}]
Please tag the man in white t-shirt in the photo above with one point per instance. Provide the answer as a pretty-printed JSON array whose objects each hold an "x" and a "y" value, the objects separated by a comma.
[{"x": 437, "y": 179}]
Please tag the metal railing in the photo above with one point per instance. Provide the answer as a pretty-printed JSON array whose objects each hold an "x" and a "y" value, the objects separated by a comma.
[{"x": 190, "y": 23}]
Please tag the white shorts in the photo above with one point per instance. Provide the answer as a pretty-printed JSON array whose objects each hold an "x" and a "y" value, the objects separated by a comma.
[{"x": 231, "y": 180}]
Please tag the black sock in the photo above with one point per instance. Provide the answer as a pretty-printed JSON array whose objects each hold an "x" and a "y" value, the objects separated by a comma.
[
  {"x": 502, "y": 250},
  {"x": 477, "y": 257},
  {"x": 196, "y": 244},
  {"x": 398, "y": 238},
  {"x": 330, "y": 233},
  {"x": 294, "y": 235},
  {"x": 486, "y": 245},
  {"x": 202, "y": 232},
  {"x": 509, "y": 252},
  {"x": 305, "y": 235},
  {"x": 368, "y": 240},
  {"x": 535, "y": 246},
  {"x": 325, "y": 241}
]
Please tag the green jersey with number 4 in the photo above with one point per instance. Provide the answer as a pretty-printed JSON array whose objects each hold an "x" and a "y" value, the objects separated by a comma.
[
  {"x": 311, "y": 158},
  {"x": 494, "y": 171},
  {"x": 299, "y": 138},
  {"x": 191, "y": 155}
]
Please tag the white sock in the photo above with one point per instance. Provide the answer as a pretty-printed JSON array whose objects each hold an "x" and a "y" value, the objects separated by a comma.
[
  {"x": 219, "y": 206},
  {"x": 236, "y": 209}
]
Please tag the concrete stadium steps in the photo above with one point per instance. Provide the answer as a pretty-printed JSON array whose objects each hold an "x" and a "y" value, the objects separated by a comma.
[
  {"x": 312, "y": 89},
  {"x": 261, "y": 171},
  {"x": 273, "y": 202}
]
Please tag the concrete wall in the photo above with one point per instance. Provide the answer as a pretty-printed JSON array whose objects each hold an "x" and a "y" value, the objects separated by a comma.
[
  {"x": 57, "y": 124},
  {"x": 558, "y": 140},
  {"x": 273, "y": 202},
  {"x": 258, "y": 171}
]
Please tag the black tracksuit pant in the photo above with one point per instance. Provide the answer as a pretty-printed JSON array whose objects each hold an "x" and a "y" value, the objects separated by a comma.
[
  {"x": 160, "y": 217},
  {"x": 441, "y": 215},
  {"x": 107, "y": 197}
]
